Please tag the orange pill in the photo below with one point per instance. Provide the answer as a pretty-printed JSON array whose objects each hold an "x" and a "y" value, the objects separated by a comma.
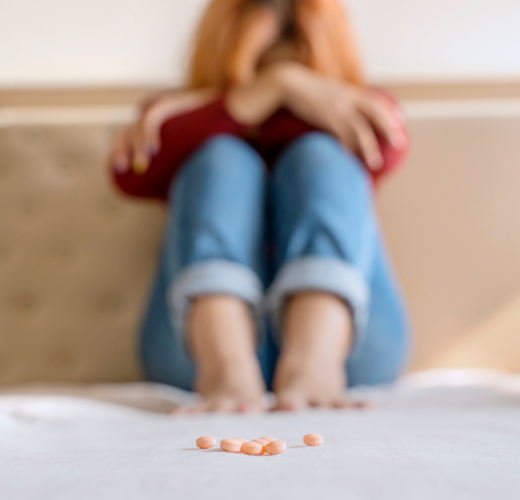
[
  {"x": 231, "y": 445},
  {"x": 261, "y": 441},
  {"x": 206, "y": 442},
  {"x": 313, "y": 439},
  {"x": 275, "y": 447},
  {"x": 269, "y": 439},
  {"x": 252, "y": 448},
  {"x": 242, "y": 440}
]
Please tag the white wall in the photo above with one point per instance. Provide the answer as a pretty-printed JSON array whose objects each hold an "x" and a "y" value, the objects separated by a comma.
[{"x": 131, "y": 42}]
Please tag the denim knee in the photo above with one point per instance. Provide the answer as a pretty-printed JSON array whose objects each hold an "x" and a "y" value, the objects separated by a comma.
[
  {"x": 316, "y": 154},
  {"x": 217, "y": 206},
  {"x": 323, "y": 202},
  {"x": 220, "y": 151}
]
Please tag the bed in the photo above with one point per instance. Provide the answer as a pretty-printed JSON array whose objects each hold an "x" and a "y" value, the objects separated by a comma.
[{"x": 435, "y": 435}]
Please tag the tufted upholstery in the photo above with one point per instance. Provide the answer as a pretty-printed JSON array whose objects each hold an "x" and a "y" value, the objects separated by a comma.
[{"x": 75, "y": 258}]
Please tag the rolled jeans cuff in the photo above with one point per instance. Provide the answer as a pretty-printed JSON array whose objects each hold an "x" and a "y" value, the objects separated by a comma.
[
  {"x": 320, "y": 274},
  {"x": 213, "y": 277}
]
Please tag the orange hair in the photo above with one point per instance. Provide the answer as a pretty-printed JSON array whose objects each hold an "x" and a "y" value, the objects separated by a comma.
[{"x": 319, "y": 29}]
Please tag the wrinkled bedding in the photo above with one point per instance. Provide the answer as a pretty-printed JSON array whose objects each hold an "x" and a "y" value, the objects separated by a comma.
[{"x": 434, "y": 435}]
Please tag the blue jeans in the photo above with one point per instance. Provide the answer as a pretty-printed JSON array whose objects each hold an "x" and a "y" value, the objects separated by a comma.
[{"x": 233, "y": 228}]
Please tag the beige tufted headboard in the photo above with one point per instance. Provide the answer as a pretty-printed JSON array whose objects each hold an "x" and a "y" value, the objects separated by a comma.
[{"x": 76, "y": 259}]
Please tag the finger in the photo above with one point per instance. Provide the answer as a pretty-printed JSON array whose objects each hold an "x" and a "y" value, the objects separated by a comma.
[
  {"x": 120, "y": 156},
  {"x": 343, "y": 132},
  {"x": 367, "y": 143},
  {"x": 141, "y": 159},
  {"x": 151, "y": 133},
  {"x": 381, "y": 117}
]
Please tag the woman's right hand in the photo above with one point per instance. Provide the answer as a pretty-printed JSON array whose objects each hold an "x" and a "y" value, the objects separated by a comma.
[
  {"x": 355, "y": 115},
  {"x": 138, "y": 142}
]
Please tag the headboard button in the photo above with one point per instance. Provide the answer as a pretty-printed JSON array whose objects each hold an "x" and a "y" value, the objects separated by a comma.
[
  {"x": 61, "y": 356},
  {"x": 68, "y": 163},
  {"x": 29, "y": 206},
  {"x": 110, "y": 304},
  {"x": 63, "y": 251},
  {"x": 25, "y": 302},
  {"x": 36, "y": 135}
]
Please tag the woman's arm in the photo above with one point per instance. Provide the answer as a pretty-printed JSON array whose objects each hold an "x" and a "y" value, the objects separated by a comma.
[
  {"x": 179, "y": 136},
  {"x": 147, "y": 154},
  {"x": 139, "y": 142},
  {"x": 355, "y": 115},
  {"x": 183, "y": 120}
]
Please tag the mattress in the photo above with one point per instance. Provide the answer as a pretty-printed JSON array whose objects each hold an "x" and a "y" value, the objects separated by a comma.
[{"x": 434, "y": 435}]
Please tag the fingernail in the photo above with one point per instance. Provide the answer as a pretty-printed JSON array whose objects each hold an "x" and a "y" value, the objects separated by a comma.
[
  {"x": 120, "y": 165},
  {"x": 140, "y": 166},
  {"x": 152, "y": 150}
]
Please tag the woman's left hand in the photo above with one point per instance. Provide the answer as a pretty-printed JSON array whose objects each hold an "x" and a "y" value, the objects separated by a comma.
[{"x": 357, "y": 116}]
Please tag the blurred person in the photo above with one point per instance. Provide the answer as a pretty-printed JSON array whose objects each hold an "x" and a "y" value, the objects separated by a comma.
[{"x": 273, "y": 272}]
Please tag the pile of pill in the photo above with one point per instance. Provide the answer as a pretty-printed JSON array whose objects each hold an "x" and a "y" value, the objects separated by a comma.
[{"x": 266, "y": 445}]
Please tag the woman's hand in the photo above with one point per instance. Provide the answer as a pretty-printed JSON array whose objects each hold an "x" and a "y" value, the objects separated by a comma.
[
  {"x": 356, "y": 116},
  {"x": 138, "y": 142}
]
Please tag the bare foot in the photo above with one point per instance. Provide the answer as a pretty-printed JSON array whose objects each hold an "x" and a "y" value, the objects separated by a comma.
[
  {"x": 299, "y": 386},
  {"x": 311, "y": 368},
  {"x": 235, "y": 389},
  {"x": 222, "y": 335}
]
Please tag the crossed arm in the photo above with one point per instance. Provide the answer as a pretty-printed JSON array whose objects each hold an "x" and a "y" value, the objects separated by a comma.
[{"x": 356, "y": 116}]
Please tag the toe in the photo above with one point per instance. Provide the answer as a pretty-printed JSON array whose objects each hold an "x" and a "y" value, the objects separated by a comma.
[
  {"x": 188, "y": 410},
  {"x": 322, "y": 402},
  {"x": 249, "y": 407},
  {"x": 345, "y": 403},
  {"x": 223, "y": 405},
  {"x": 290, "y": 402}
]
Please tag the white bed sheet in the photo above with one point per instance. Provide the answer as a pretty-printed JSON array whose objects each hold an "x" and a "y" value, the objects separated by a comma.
[{"x": 436, "y": 435}]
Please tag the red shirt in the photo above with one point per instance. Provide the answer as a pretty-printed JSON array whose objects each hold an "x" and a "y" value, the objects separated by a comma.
[{"x": 181, "y": 135}]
